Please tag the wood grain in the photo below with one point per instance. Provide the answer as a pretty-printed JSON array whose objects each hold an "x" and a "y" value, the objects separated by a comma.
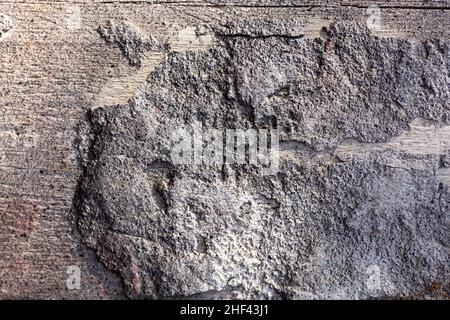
[{"x": 51, "y": 74}]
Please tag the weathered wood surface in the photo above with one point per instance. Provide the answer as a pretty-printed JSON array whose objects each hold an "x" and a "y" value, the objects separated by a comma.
[{"x": 52, "y": 72}]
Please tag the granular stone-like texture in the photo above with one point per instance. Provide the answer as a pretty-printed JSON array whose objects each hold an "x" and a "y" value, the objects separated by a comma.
[
  {"x": 5, "y": 24},
  {"x": 324, "y": 226},
  {"x": 130, "y": 40}
]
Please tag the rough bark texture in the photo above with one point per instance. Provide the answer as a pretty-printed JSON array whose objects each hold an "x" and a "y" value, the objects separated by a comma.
[{"x": 91, "y": 91}]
